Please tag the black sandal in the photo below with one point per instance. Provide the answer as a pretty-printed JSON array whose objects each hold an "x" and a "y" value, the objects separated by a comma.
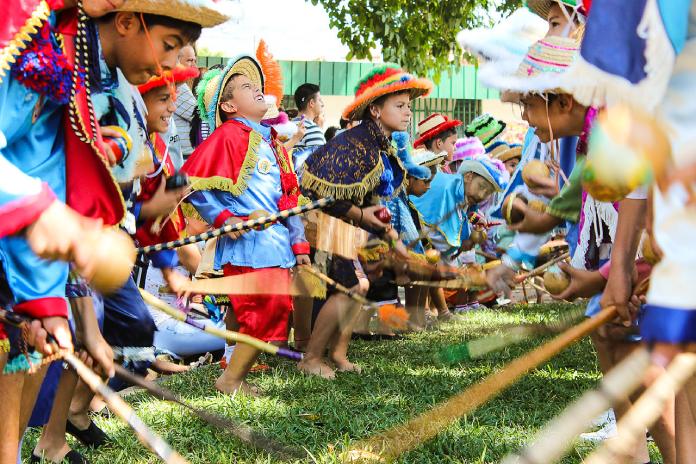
[
  {"x": 92, "y": 436},
  {"x": 73, "y": 457}
]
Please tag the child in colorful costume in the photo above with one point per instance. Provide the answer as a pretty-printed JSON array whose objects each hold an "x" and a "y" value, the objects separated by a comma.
[
  {"x": 648, "y": 63},
  {"x": 241, "y": 168},
  {"x": 37, "y": 80},
  {"x": 91, "y": 148},
  {"x": 553, "y": 111},
  {"x": 359, "y": 168},
  {"x": 421, "y": 168},
  {"x": 438, "y": 133},
  {"x": 157, "y": 95}
]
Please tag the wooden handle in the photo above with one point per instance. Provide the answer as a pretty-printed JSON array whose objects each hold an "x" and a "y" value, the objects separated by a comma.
[
  {"x": 540, "y": 270},
  {"x": 646, "y": 411},
  {"x": 554, "y": 440},
  {"x": 396, "y": 441},
  {"x": 224, "y": 334},
  {"x": 116, "y": 404}
]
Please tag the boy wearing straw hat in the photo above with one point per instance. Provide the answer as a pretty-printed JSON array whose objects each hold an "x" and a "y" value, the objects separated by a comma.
[
  {"x": 554, "y": 112},
  {"x": 438, "y": 133},
  {"x": 34, "y": 102},
  {"x": 242, "y": 168}
]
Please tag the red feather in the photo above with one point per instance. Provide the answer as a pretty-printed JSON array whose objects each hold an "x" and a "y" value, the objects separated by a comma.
[{"x": 271, "y": 71}]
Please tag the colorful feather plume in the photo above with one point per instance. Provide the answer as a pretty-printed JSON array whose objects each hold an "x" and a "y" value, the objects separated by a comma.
[{"x": 271, "y": 71}]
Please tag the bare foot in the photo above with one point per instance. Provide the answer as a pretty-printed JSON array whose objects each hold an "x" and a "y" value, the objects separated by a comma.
[
  {"x": 343, "y": 365},
  {"x": 233, "y": 387},
  {"x": 316, "y": 367},
  {"x": 52, "y": 455}
]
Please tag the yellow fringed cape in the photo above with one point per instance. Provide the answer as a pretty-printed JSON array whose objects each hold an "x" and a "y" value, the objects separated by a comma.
[{"x": 357, "y": 162}]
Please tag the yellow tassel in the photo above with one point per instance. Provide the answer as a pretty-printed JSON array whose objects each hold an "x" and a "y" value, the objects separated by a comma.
[
  {"x": 309, "y": 284},
  {"x": 228, "y": 185}
]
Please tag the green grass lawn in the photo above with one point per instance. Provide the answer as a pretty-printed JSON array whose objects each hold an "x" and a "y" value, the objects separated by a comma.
[{"x": 400, "y": 379}]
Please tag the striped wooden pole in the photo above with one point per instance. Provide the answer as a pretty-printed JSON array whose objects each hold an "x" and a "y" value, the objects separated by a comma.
[
  {"x": 554, "y": 440},
  {"x": 242, "y": 226},
  {"x": 115, "y": 403},
  {"x": 388, "y": 445}
]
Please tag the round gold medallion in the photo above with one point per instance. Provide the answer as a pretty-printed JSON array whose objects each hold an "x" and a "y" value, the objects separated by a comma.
[{"x": 264, "y": 166}]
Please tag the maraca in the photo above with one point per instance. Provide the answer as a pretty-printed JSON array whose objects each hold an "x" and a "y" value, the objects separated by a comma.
[
  {"x": 478, "y": 235},
  {"x": 534, "y": 168},
  {"x": 555, "y": 280},
  {"x": 627, "y": 148},
  {"x": 383, "y": 215},
  {"x": 114, "y": 255},
  {"x": 259, "y": 213},
  {"x": 432, "y": 256}
]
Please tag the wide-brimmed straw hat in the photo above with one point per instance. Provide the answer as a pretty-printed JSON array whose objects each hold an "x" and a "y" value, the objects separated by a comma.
[
  {"x": 427, "y": 158},
  {"x": 542, "y": 7},
  {"x": 542, "y": 70},
  {"x": 382, "y": 81},
  {"x": 207, "y": 13},
  {"x": 504, "y": 151},
  {"x": 213, "y": 83},
  {"x": 434, "y": 125}
]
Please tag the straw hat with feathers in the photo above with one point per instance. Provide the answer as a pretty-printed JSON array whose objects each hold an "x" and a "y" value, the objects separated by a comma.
[
  {"x": 382, "y": 81},
  {"x": 207, "y": 13},
  {"x": 213, "y": 83}
]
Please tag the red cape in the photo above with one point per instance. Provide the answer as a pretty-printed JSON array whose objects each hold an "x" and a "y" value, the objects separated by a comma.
[
  {"x": 168, "y": 229},
  {"x": 226, "y": 160}
]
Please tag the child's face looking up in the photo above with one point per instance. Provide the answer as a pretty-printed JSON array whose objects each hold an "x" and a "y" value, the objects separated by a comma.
[
  {"x": 243, "y": 98},
  {"x": 160, "y": 108}
]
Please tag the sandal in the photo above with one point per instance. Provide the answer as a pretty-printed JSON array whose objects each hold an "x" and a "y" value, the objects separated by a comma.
[{"x": 92, "y": 436}]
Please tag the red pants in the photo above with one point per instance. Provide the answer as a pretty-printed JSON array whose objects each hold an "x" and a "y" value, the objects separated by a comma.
[{"x": 261, "y": 316}]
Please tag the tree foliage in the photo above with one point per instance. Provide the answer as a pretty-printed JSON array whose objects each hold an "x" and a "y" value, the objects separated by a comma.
[{"x": 417, "y": 34}]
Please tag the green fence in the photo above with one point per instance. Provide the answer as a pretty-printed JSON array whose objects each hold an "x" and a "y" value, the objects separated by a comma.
[
  {"x": 458, "y": 95},
  {"x": 340, "y": 78}
]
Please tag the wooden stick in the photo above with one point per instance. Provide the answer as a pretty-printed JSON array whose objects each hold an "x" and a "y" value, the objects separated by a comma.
[
  {"x": 646, "y": 411},
  {"x": 519, "y": 278},
  {"x": 541, "y": 269},
  {"x": 238, "y": 429},
  {"x": 554, "y": 440},
  {"x": 396, "y": 441},
  {"x": 341, "y": 288},
  {"x": 224, "y": 334},
  {"x": 116, "y": 404},
  {"x": 246, "y": 225}
]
